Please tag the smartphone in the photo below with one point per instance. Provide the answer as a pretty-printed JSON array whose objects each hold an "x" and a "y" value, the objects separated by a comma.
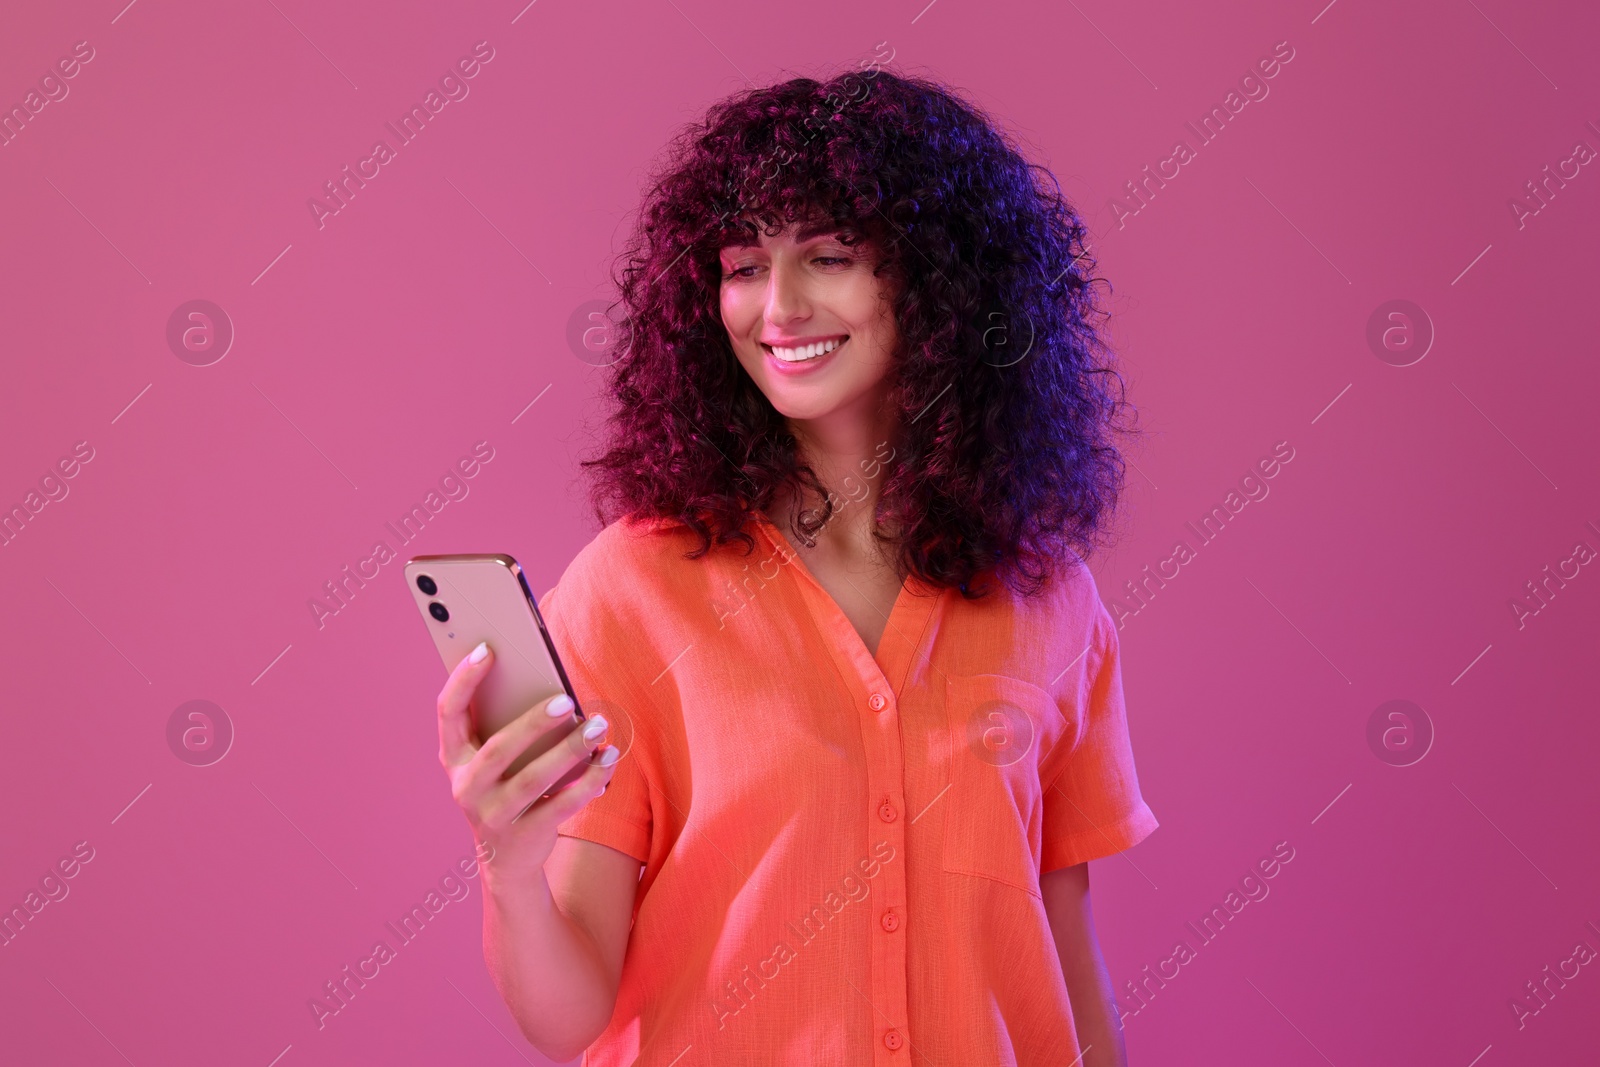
[{"x": 465, "y": 599}]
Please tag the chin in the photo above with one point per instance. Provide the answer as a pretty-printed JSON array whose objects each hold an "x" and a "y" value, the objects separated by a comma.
[
  {"x": 794, "y": 408},
  {"x": 803, "y": 399}
]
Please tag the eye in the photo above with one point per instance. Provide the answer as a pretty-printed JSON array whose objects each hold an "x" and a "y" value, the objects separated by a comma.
[
  {"x": 739, "y": 272},
  {"x": 831, "y": 259}
]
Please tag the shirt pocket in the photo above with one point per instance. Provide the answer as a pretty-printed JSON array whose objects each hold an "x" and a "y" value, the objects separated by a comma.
[{"x": 998, "y": 727}]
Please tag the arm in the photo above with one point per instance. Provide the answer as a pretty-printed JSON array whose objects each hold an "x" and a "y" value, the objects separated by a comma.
[
  {"x": 1066, "y": 903},
  {"x": 555, "y": 911},
  {"x": 554, "y": 942}
]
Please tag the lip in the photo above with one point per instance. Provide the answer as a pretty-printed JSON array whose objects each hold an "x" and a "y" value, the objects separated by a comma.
[
  {"x": 801, "y": 342},
  {"x": 809, "y": 366}
]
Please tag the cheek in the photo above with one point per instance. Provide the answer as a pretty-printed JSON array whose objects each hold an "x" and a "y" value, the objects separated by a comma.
[
  {"x": 873, "y": 313},
  {"x": 739, "y": 298},
  {"x": 740, "y": 323},
  {"x": 878, "y": 320},
  {"x": 737, "y": 316}
]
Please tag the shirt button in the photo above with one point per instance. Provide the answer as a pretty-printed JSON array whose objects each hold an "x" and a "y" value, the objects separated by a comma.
[
  {"x": 891, "y": 921},
  {"x": 886, "y": 811},
  {"x": 892, "y": 1040},
  {"x": 876, "y": 702}
]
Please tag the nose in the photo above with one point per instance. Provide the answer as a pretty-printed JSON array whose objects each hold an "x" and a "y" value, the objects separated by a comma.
[{"x": 787, "y": 300}]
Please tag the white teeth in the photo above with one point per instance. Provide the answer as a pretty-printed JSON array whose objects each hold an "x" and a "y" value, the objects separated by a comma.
[{"x": 800, "y": 355}]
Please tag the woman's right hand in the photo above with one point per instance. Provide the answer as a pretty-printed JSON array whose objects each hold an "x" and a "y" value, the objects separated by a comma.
[{"x": 519, "y": 837}]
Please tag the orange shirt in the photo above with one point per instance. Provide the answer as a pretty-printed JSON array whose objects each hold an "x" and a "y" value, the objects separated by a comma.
[{"x": 841, "y": 851}]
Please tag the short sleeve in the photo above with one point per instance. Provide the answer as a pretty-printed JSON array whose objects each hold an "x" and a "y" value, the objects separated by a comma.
[
  {"x": 621, "y": 816},
  {"x": 1092, "y": 805}
]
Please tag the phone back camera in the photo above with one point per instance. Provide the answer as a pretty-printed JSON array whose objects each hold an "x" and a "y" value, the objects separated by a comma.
[
  {"x": 427, "y": 585},
  {"x": 437, "y": 610}
]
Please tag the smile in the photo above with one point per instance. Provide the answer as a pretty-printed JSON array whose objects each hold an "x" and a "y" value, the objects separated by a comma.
[{"x": 806, "y": 352}]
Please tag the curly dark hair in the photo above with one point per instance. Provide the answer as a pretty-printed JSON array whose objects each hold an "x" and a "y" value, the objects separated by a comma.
[{"x": 1007, "y": 399}]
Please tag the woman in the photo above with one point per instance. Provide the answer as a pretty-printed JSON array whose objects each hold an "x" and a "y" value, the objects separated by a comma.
[{"x": 863, "y": 745}]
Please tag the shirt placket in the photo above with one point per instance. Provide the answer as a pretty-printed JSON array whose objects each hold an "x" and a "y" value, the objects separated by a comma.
[
  {"x": 884, "y": 736},
  {"x": 876, "y": 706}
]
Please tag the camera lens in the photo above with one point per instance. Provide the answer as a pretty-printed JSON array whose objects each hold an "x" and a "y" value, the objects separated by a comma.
[
  {"x": 426, "y": 584},
  {"x": 437, "y": 610}
]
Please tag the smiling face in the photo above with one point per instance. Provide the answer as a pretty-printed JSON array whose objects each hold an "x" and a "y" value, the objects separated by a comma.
[{"x": 810, "y": 323}]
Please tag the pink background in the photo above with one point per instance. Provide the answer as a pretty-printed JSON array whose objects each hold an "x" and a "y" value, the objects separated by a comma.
[{"x": 432, "y": 310}]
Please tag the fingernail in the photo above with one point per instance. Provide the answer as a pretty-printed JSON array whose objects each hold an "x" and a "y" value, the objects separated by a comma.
[
  {"x": 559, "y": 706},
  {"x": 595, "y": 729},
  {"x": 608, "y": 757},
  {"x": 477, "y": 655}
]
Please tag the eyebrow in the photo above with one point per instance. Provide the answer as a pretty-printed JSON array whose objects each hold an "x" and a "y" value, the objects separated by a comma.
[{"x": 805, "y": 233}]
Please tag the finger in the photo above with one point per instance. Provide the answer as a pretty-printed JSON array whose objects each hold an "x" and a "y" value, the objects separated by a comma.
[
  {"x": 503, "y": 748},
  {"x": 528, "y": 784},
  {"x": 457, "y": 743},
  {"x": 573, "y": 797}
]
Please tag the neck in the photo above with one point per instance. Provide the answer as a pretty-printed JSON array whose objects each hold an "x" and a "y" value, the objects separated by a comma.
[{"x": 850, "y": 456}]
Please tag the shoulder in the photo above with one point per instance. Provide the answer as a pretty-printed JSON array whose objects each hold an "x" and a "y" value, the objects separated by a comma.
[
  {"x": 1066, "y": 613},
  {"x": 1083, "y": 612},
  {"x": 1068, "y": 600},
  {"x": 630, "y": 550},
  {"x": 632, "y": 570}
]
